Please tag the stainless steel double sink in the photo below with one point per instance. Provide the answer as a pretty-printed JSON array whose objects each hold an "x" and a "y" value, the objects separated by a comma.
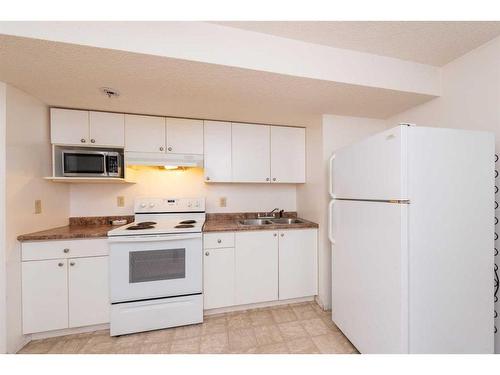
[{"x": 270, "y": 221}]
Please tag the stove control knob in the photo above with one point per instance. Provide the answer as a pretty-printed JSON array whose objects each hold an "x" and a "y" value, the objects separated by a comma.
[
  {"x": 151, "y": 205},
  {"x": 190, "y": 204},
  {"x": 143, "y": 205},
  {"x": 197, "y": 204}
]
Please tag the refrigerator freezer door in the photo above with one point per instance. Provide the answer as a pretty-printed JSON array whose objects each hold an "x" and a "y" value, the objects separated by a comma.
[
  {"x": 374, "y": 168},
  {"x": 369, "y": 275}
]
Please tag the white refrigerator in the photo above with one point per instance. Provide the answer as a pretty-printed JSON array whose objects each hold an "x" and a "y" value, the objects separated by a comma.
[{"x": 412, "y": 233}]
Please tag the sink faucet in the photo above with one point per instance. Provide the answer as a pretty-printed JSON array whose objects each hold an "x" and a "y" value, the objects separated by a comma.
[{"x": 271, "y": 214}]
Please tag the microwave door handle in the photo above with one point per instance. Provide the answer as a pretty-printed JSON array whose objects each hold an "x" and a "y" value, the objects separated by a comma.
[{"x": 149, "y": 238}]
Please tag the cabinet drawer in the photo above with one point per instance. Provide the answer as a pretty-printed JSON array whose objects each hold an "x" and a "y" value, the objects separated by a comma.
[
  {"x": 218, "y": 240},
  {"x": 61, "y": 249}
]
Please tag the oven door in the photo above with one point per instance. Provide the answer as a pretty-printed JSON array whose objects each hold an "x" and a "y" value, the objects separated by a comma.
[
  {"x": 147, "y": 267},
  {"x": 83, "y": 163}
]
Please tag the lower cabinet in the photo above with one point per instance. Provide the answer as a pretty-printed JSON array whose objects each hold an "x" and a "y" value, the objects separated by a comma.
[
  {"x": 298, "y": 264},
  {"x": 260, "y": 266},
  {"x": 67, "y": 291},
  {"x": 88, "y": 291},
  {"x": 256, "y": 267},
  {"x": 45, "y": 295},
  {"x": 218, "y": 278}
]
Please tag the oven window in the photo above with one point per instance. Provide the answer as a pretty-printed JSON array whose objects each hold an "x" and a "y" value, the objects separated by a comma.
[
  {"x": 84, "y": 163},
  {"x": 155, "y": 265}
]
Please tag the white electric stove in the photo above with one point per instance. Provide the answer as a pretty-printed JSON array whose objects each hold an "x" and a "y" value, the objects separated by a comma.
[{"x": 156, "y": 266}]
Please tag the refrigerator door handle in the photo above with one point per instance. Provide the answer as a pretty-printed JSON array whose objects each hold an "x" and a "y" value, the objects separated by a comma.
[
  {"x": 330, "y": 222},
  {"x": 330, "y": 172}
]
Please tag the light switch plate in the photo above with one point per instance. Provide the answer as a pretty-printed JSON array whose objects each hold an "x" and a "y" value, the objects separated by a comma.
[
  {"x": 120, "y": 201},
  {"x": 38, "y": 206},
  {"x": 223, "y": 201}
]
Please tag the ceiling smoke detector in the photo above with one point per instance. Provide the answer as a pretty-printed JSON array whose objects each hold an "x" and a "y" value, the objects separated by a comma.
[{"x": 111, "y": 93}]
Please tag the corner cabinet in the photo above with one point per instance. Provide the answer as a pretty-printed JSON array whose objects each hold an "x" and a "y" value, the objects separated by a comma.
[
  {"x": 64, "y": 284},
  {"x": 250, "y": 267}
]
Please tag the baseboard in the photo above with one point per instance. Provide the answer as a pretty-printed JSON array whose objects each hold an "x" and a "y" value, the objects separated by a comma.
[
  {"x": 227, "y": 309},
  {"x": 68, "y": 331}
]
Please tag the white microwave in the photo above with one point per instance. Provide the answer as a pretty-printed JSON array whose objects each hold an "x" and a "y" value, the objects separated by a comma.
[{"x": 91, "y": 163}]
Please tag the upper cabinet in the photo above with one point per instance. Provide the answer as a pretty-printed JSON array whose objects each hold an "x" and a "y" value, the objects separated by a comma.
[
  {"x": 232, "y": 152},
  {"x": 184, "y": 136},
  {"x": 217, "y": 155},
  {"x": 69, "y": 127},
  {"x": 107, "y": 129},
  {"x": 288, "y": 154},
  {"x": 250, "y": 153},
  {"x": 84, "y": 128},
  {"x": 144, "y": 134}
]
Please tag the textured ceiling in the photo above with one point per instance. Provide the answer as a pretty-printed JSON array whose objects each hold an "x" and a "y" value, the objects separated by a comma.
[
  {"x": 434, "y": 43},
  {"x": 69, "y": 76}
]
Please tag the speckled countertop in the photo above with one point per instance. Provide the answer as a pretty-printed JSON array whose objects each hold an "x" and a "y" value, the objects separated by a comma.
[
  {"x": 230, "y": 223},
  {"x": 99, "y": 226},
  {"x": 79, "y": 227}
]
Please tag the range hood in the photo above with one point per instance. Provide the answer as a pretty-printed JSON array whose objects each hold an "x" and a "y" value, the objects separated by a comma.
[{"x": 153, "y": 159}]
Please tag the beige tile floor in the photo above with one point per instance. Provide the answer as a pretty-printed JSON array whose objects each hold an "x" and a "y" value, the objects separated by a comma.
[{"x": 296, "y": 328}]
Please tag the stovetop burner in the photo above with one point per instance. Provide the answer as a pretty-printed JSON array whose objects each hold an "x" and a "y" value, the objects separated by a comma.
[
  {"x": 188, "y": 222},
  {"x": 147, "y": 223},
  {"x": 184, "y": 226},
  {"x": 139, "y": 227}
]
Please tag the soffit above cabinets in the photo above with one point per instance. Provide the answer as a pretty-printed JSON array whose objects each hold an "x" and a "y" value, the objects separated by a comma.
[{"x": 70, "y": 76}]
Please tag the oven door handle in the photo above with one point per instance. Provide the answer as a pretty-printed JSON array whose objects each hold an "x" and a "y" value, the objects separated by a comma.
[{"x": 152, "y": 238}]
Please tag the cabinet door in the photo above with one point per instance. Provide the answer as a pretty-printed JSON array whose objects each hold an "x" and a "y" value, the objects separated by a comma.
[
  {"x": 298, "y": 263},
  {"x": 250, "y": 153},
  {"x": 45, "y": 295},
  {"x": 107, "y": 129},
  {"x": 256, "y": 267},
  {"x": 217, "y": 151},
  {"x": 88, "y": 291},
  {"x": 218, "y": 278},
  {"x": 288, "y": 155},
  {"x": 144, "y": 134},
  {"x": 69, "y": 127},
  {"x": 184, "y": 136}
]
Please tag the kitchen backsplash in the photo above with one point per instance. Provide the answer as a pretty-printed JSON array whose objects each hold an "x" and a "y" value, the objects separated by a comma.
[{"x": 101, "y": 199}]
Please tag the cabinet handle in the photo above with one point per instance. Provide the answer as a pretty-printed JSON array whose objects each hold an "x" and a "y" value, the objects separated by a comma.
[
  {"x": 219, "y": 240},
  {"x": 267, "y": 178},
  {"x": 274, "y": 234},
  {"x": 71, "y": 264},
  {"x": 274, "y": 178},
  {"x": 66, "y": 250},
  {"x": 207, "y": 253},
  {"x": 60, "y": 264},
  {"x": 161, "y": 148},
  {"x": 92, "y": 140},
  {"x": 169, "y": 149},
  {"x": 282, "y": 234},
  {"x": 83, "y": 140}
]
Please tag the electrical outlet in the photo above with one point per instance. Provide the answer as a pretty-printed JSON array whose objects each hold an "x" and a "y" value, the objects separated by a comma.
[
  {"x": 120, "y": 201},
  {"x": 38, "y": 206},
  {"x": 222, "y": 201}
]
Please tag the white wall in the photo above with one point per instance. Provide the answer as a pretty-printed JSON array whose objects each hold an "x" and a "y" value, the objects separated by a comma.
[
  {"x": 470, "y": 100},
  {"x": 99, "y": 199},
  {"x": 28, "y": 159},
  {"x": 324, "y": 136},
  {"x": 3, "y": 308}
]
